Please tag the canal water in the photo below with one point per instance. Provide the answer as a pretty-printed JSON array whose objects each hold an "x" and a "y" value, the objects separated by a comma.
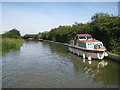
[{"x": 50, "y": 65}]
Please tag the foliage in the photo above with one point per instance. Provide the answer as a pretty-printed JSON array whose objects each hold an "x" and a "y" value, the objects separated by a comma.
[
  {"x": 26, "y": 36},
  {"x": 39, "y": 35},
  {"x": 106, "y": 29},
  {"x": 103, "y": 27},
  {"x": 14, "y": 33},
  {"x": 11, "y": 40},
  {"x": 9, "y": 44}
]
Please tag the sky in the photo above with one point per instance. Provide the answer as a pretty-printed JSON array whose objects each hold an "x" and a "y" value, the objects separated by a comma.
[{"x": 35, "y": 17}]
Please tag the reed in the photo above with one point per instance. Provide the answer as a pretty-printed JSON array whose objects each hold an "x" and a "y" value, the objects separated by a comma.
[{"x": 9, "y": 44}]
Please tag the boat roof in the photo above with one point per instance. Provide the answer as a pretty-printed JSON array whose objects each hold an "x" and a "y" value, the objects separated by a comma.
[
  {"x": 89, "y": 41},
  {"x": 83, "y": 35}
]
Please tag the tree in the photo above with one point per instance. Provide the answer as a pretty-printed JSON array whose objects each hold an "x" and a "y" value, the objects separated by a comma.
[
  {"x": 103, "y": 27},
  {"x": 14, "y": 33},
  {"x": 34, "y": 36}
]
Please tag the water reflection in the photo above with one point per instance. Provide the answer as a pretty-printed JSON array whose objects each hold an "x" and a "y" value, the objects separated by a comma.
[
  {"x": 103, "y": 71},
  {"x": 45, "y": 64},
  {"x": 89, "y": 62},
  {"x": 102, "y": 63},
  {"x": 83, "y": 60}
]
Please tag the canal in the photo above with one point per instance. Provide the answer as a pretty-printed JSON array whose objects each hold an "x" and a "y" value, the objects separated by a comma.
[{"x": 49, "y": 65}]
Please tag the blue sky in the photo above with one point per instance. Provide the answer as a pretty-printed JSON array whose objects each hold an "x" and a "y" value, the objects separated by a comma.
[{"x": 35, "y": 17}]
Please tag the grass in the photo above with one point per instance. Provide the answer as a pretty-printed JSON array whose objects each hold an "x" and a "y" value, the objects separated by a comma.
[
  {"x": 112, "y": 54},
  {"x": 8, "y": 44}
]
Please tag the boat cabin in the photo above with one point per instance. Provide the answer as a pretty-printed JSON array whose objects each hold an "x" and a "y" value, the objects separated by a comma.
[
  {"x": 86, "y": 41},
  {"x": 83, "y": 36}
]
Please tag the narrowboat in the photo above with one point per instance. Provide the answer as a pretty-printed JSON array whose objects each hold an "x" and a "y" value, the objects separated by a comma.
[{"x": 87, "y": 47}]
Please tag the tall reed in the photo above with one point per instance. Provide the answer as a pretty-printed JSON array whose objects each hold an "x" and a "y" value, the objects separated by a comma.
[{"x": 9, "y": 44}]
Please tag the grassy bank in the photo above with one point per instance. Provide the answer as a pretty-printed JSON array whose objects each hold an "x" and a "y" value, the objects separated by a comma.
[
  {"x": 10, "y": 44},
  {"x": 112, "y": 54}
]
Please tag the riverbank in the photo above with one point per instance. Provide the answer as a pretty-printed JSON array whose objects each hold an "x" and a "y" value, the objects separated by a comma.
[
  {"x": 9, "y": 44},
  {"x": 111, "y": 56}
]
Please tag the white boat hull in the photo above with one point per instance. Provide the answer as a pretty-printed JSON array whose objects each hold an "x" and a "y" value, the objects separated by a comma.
[{"x": 88, "y": 54}]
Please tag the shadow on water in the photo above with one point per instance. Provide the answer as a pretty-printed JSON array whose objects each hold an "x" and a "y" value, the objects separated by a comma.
[{"x": 104, "y": 71}]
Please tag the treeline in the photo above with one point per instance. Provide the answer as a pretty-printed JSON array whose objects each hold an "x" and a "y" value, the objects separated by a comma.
[
  {"x": 102, "y": 26},
  {"x": 26, "y": 36},
  {"x": 15, "y": 34}
]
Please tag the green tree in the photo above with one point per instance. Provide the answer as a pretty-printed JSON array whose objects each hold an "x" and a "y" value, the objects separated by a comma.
[
  {"x": 34, "y": 36},
  {"x": 102, "y": 26},
  {"x": 14, "y": 33}
]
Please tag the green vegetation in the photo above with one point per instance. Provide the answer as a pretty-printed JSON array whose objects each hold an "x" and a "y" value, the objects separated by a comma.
[
  {"x": 11, "y": 40},
  {"x": 114, "y": 55},
  {"x": 102, "y": 26},
  {"x": 9, "y": 44},
  {"x": 11, "y": 34},
  {"x": 35, "y": 36}
]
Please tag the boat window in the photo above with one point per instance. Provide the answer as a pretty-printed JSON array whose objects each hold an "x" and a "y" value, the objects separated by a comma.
[
  {"x": 82, "y": 37},
  {"x": 88, "y": 37},
  {"x": 90, "y": 45},
  {"x": 81, "y": 44},
  {"x": 100, "y": 44},
  {"x": 85, "y": 37}
]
